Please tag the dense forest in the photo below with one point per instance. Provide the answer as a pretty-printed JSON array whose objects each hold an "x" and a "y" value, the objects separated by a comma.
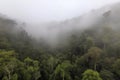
[{"x": 91, "y": 54}]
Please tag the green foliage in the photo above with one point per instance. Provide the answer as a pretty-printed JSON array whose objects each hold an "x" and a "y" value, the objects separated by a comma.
[
  {"x": 10, "y": 67},
  {"x": 62, "y": 70},
  {"x": 116, "y": 67},
  {"x": 91, "y": 75},
  {"x": 14, "y": 77},
  {"x": 107, "y": 75},
  {"x": 31, "y": 69},
  {"x": 93, "y": 55},
  {"x": 24, "y": 58},
  {"x": 5, "y": 78}
]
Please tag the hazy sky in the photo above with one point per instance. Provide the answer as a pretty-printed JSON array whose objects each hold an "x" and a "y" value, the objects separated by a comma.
[{"x": 49, "y": 10}]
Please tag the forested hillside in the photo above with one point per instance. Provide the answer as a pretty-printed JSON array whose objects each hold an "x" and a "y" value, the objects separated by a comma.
[{"x": 91, "y": 54}]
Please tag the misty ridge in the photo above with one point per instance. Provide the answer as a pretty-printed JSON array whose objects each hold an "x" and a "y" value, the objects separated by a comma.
[{"x": 53, "y": 31}]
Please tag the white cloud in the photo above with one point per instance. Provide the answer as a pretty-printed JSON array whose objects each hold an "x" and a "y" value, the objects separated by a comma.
[{"x": 47, "y": 10}]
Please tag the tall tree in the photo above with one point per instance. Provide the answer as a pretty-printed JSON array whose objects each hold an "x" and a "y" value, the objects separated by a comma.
[{"x": 94, "y": 53}]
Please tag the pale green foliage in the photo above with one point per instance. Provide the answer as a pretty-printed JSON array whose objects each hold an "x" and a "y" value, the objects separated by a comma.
[
  {"x": 63, "y": 70},
  {"x": 32, "y": 68},
  {"x": 91, "y": 75},
  {"x": 8, "y": 63}
]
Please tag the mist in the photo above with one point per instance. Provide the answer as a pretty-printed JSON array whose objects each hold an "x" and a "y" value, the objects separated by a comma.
[
  {"x": 50, "y": 19},
  {"x": 49, "y": 10}
]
